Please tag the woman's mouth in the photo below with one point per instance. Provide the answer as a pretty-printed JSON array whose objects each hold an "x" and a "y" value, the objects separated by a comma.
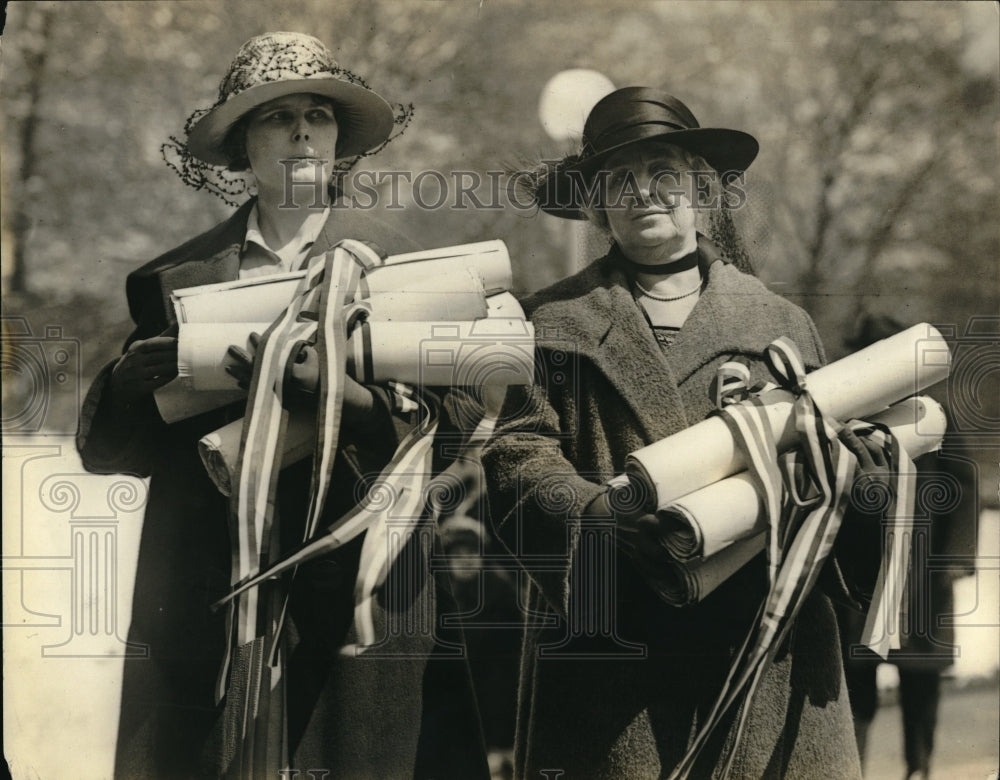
[{"x": 662, "y": 210}]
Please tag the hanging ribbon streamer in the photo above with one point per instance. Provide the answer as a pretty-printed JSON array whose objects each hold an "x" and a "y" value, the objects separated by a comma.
[
  {"x": 252, "y": 668},
  {"x": 882, "y": 631},
  {"x": 399, "y": 493},
  {"x": 252, "y": 502},
  {"x": 805, "y": 494}
]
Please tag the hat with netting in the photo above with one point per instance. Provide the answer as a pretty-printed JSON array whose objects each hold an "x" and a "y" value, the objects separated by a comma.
[
  {"x": 267, "y": 67},
  {"x": 276, "y": 64}
]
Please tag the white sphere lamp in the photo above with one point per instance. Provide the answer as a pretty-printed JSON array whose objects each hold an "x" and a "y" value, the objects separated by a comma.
[{"x": 566, "y": 100}]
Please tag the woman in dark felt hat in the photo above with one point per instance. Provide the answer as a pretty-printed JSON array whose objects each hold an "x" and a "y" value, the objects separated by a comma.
[
  {"x": 630, "y": 347},
  {"x": 287, "y": 117}
]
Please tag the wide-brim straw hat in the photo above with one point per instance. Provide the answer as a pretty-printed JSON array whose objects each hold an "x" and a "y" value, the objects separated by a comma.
[
  {"x": 276, "y": 64},
  {"x": 627, "y": 117}
]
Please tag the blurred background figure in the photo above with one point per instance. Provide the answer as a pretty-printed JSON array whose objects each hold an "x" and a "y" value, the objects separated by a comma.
[{"x": 944, "y": 547}]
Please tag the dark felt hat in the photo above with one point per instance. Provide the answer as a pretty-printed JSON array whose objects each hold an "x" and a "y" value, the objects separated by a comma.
[{"x": 630, "y": 116}]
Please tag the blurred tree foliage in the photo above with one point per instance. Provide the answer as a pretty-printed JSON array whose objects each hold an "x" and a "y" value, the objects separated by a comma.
[{"x": 875, "y": 190}]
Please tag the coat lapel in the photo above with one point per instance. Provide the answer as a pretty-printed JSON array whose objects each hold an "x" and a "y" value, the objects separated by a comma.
[
  {"x": 735, "y": 315},
  {"x": 211, "y": 259},
  {"x": 596, "y": 313},
  {"x": 605, "y": 327},
  {"x": 634, "y": 363}
]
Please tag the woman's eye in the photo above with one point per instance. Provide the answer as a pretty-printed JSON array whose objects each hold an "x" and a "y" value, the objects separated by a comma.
[{"x": 320, "y": 116}]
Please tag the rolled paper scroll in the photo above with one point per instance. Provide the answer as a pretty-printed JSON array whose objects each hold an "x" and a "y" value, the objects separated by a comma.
[
  {"x": 491, "y": 352},
  {"x": 488, "y": 260},
  {"x": 463, "y": 270},
  {"x": 456, "y": 295},
  {"x": 260, "y": 299},
  {"x": 690, "y": 582},
  {"x": 710, "y": 519},
  {"x": 441, "y": 284},
  {"x": 219, "y": 450},
  {"x": 202, "y": 349},
  {"x": 856, "y": 386}
]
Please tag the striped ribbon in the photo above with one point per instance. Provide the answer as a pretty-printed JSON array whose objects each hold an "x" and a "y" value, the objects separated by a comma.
[
  {"x": 806, "y": 492},
  {"x": 882, "y": 631},
  {"x": 732, "y": 384},
  {"x": 252, "y": 503},
  {"x": 251, "y": 675},
  {"x": 399, "y": 495}
]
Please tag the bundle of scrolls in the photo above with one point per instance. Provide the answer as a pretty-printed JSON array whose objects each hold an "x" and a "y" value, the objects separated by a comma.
[
  {"x": 718, "y": 509},
  {"x": 712, "y": 532},
  {"x": 459, "y": 284}
]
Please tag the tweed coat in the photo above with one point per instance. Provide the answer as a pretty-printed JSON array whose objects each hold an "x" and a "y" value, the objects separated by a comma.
[
  {"x": 588, "y": 704},
  {"x": 412, "y": 715}
]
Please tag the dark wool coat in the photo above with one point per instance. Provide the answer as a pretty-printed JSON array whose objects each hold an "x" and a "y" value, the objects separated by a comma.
[
  {"x": 412, "y": 715},
  {"x": 606, "y": 389}
]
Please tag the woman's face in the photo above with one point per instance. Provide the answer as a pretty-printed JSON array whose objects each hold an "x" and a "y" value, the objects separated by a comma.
[
  {"x": 648, "y": 205},
  {"x": 292, "y": 140}
]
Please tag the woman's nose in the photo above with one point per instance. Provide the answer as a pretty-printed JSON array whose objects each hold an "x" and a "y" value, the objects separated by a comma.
[
  {"x": 301, "y": 132},
  {"x": 644, "y": 186}
]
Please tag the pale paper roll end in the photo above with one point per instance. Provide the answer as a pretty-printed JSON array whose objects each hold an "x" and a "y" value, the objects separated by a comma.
[
  {"x": 919, "y": 424},
  {"x": 681, "y": 532},
  {"x": 693, "y": 581},
  {"x": 705, "y": 522},
  {"x": 220, "y": 449}
]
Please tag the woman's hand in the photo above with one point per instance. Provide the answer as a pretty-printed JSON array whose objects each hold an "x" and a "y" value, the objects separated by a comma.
[
  {"x": 147, "y": 364},
  {"x": 640, "y": 536},
  {"x": 872, "y": 490},
  {"x": 302, "y": 378},
  {"x": 638, "y": 533}
]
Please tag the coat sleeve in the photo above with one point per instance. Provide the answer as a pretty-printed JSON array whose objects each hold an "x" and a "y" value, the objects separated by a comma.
[
  {"x": 114, "y": 437},
  {"x": 536, "y": 496}
]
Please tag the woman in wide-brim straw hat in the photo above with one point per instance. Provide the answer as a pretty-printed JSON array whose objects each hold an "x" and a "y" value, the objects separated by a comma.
[
  {"x": 287, "y": 118},
  {"x": 615, "y": 683}
]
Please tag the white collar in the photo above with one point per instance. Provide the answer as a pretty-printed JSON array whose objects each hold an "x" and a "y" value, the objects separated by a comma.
[{"x": 294, "y": 249}]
